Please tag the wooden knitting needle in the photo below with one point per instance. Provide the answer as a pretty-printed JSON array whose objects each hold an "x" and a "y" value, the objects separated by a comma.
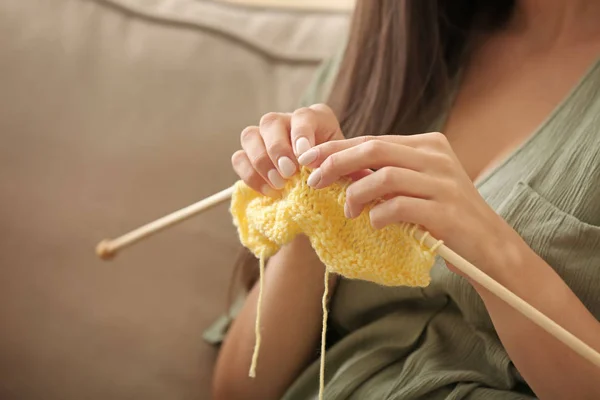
[
  {"x": 108, "y": 248},
  {"x": 513, "y": 300}
]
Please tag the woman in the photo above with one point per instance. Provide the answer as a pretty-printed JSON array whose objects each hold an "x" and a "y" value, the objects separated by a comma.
[{"x": 512, "y": 184}]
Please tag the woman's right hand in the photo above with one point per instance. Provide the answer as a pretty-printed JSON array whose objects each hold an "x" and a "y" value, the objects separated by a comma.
[{"x": 270, "y": 151}]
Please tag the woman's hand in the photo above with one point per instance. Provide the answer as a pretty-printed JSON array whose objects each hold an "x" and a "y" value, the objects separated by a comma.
[
  {"x": 421, "y": 181},
  {"x": 269, "y": 150}
]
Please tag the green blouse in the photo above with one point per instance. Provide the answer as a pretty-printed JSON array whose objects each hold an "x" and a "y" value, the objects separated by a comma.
[{"x": 439, "y": 342}]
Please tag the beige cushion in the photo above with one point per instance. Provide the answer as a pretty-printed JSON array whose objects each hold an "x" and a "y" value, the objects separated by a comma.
[
  {"x": 113, "y": 113},
  {"x": 299, "y": 4}
]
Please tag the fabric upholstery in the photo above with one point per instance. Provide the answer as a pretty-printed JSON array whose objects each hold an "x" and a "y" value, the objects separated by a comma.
[{"x": 114, "y": 113}]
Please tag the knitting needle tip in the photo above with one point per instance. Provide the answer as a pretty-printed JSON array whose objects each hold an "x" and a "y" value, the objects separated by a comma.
[{"x": 105, "y": 250}]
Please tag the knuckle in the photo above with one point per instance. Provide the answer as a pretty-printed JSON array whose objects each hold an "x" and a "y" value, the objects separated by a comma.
[
  {"x": 303, "y": 120},
  {"x": 330, "y": 163},
  {"x": 398, "y": 207},
  {"x": 253, "y": 180},
  {"x": 303, "y": 128},
  {"x": 269, "y": 119},
  {"x": 367, "y": 139},
  {"x": 326, "y": 120},
  {"x": 303, "y": 112},
  {"x": 438, "y": 138},
  {"x": 276, "y": 149},
  {"x": 261, "y": 161},
  {"x": 247, "y": 132},
  {"x": 370, "y": 148},
  {"x": 445, "y": 162},
  {"x": 387, "y": 176},
  {"x": 248, "y": 175},
  {"x": 322, "y": 107}
]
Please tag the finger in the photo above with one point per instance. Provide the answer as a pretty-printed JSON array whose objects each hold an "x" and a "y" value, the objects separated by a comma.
[
  {"x": 303, "y": 126},
  {"x": 243, "y": 167},
  {"x": 313, "y": 125},
  {"x": 435, "y": 141},
  {"x": 253, "y": 145},
  {"x": 370, "y": 149},
  {"x": 402, "y": 209},
  {"x": 373, "y": 154},
  {"x": 429, "y": 140},
  {"x": 319, "y": 153},
  {"x": 387, "y": 182},
  {"x": 274, "y": 129},
  {"x": 328, "y": 127},
  {"x": 358, "y": 175}
]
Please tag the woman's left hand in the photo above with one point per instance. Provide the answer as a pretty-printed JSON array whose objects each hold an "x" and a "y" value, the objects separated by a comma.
[{"x": 422, "y": 182}]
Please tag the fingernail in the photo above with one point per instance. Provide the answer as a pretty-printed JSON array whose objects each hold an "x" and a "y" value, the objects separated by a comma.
[
  {"x": 276, "y": 179},
  {"x": 308, "y": 157},
  {"x": 314, "y": 178},
  {"x": 373, "y": 219},
  {"x": 287, "y": 167},
  {"x": 267, "y": 191},
  {"x": 302, "y": 145},
  {"x": 347, "y": 211}
]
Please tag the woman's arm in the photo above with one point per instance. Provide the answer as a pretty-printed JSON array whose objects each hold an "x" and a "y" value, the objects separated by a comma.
[
  {"x": 550, "y": 368},
  {"x": 291, "y": 319},
  {"x": 426, "y": 185}
]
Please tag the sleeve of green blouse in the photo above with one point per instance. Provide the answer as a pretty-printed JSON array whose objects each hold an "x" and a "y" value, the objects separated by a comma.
[{"x": 316, "y": 92}]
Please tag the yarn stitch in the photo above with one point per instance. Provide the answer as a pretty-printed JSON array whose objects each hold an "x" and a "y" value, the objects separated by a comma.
[{"x": 349, "y": 247}]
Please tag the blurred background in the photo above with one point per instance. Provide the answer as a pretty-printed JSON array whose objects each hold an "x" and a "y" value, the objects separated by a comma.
[{"x": 114, "y": 113}]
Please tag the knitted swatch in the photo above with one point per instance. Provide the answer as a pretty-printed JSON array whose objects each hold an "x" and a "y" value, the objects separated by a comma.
[{"x": 350, "y": 247}]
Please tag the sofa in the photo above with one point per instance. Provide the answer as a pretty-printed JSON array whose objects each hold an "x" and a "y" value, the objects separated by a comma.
[{"x": 114, "y": 113}]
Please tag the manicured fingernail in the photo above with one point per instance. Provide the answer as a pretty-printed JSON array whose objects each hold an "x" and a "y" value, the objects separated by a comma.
[
  {"x": 268, "y": 191},
  {"x": 314, "y": 178},
  {"x": 308, "y": 157},
  {"x": 373, "y": 219},
  {"x": 347, "y": 211},
  {"x": 302, "y": 145},
  {"x": 276, "y": 179},
  {"x": 287, "y": 167}
]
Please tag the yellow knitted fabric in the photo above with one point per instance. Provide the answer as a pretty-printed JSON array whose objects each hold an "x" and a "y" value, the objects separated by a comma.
[{"x": 349, "y": 247}]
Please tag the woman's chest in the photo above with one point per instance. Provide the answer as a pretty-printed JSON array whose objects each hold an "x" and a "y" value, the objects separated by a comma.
[
  {"x": 548, "y": 190},
  {"x": 531, "y": 142},
  {"x": 503, "y": 100}
]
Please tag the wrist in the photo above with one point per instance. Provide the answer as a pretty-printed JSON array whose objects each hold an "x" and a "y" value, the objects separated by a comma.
[
  {"x": 505, "y": 253},
  {"x": 302, "y": 262}
]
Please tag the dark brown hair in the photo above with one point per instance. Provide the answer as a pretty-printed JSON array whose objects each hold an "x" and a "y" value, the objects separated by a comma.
[
  {"x": 398, "y": 68},
  {"x": 401, "y": 59}
]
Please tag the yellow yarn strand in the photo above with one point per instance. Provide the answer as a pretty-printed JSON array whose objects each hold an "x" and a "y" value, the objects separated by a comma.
[
  {"x": 323, "y": 335},
  {"x": 252, "y": 373}
]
